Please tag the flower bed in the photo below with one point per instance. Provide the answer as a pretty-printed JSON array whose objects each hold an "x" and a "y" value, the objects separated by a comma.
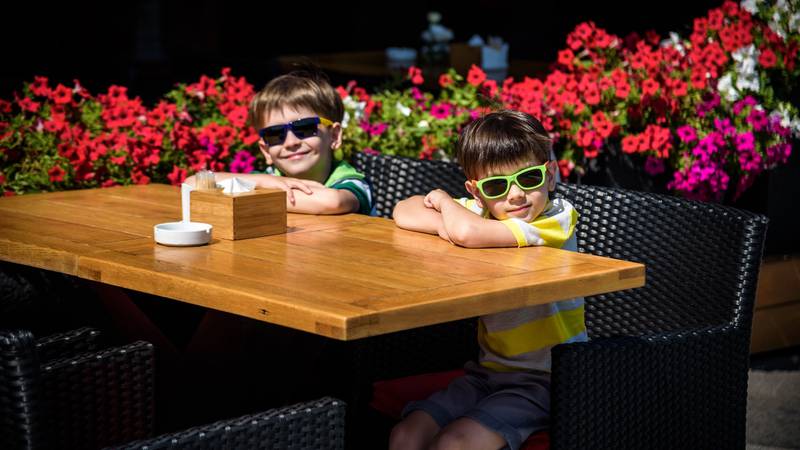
[{"x": 705, "y": 114}]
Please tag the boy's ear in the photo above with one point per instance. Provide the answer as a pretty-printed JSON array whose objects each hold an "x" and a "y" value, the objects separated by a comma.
[
  {"x": 552, "y": 167},
  {"x": 336, "y": 135},
  {"x": 472, "y": 188},
  {"x": 263, "y": 147}
]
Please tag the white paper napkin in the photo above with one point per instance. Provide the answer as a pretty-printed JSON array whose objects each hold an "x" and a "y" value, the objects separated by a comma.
[{"x": 235, "y": 185}]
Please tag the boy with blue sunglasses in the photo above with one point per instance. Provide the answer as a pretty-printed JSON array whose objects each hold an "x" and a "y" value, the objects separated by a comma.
[
  {"x": 504, "y": 397},
  {"x": 298, "y": 117}
]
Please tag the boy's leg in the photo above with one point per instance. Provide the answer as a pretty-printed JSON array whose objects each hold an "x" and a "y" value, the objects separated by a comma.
[
  {"x": 415, "y": 432},
  {"x": 467, "y": 434}
]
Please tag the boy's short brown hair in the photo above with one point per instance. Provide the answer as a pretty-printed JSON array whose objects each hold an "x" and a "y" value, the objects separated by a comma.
[
  {"x": 308, "y": 88},
  {"x": 500, "y": 138}
]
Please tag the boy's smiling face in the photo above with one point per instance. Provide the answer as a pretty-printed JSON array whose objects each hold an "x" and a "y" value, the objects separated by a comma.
[
  {"x": 308, "y": 158},
  {"x": 518, "y": 203}
]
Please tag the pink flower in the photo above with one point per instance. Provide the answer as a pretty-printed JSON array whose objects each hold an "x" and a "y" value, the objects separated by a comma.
[
  {"x": 654, "y": 166},
  {"x": 441, "y": 110},
  {"x": 377, "y": 129},
  {"x": 243, "y": 162},
  {"x": 371, "y": 151},
  {"x": 687, "y": 133}
]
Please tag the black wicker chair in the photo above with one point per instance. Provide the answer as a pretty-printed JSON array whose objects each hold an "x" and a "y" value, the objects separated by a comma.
[
  {"x": 394, "y": 178},
  {"x": 317, "y": 424},
  {"x": 62, "y": 392},
  {"x": 667, "y": 364}
]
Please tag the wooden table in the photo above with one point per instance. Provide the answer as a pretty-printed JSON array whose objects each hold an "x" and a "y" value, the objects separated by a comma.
[{"x": 344, "y": 277}]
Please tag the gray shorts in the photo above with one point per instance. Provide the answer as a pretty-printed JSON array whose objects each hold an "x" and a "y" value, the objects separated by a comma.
[{"x": 512, "y": 404}]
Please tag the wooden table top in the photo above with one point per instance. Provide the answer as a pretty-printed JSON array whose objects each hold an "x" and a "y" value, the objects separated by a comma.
[{"x": 344, "y": 277}]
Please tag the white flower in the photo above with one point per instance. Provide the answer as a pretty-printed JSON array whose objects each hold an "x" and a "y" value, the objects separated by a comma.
[
  {"x": 423, "y": 124},
  {"x": 794, "y": 22},
  {"x": 788, "y": 120},
  {"x": 357, "y": 107},
  {"x": 751, "y": 6},
  {"x": 726, "y": 89},
  {"x": 404, "y": 110},
  {"x": 675, "y": 42},
  {"x": 345, "y": 119},
  {"x": 748, "y": 83},
  {"x": 746, "y": 60}
]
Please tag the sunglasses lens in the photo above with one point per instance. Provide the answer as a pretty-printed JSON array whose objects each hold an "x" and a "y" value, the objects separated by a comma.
[
  {"x": 304, "y": 128},
  {"x": 531, "y": 179},
  {"x": 494, "y": 188},
  {"x": 274, "y": 135}
]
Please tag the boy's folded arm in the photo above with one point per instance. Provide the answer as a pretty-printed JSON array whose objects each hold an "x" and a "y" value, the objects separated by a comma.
[
  {"x": 323, "y": 200},
  {"x": 470, "y": 230},
  {"x": 412, "y": 214}
]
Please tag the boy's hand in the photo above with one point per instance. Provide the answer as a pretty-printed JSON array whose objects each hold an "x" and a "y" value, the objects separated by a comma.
[
  {"x": 435, "y": 198},
  {"x": 286, "y": 184}
]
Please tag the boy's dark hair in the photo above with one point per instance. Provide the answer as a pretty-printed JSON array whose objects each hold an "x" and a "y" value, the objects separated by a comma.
[
  {"x": 308, "y": 88},
  {"x": 501, "y": 138}
]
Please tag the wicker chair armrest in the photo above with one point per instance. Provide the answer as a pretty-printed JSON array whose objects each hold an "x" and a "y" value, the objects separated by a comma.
[
  {"x": 317, "y": 424},
  {"x": 676, "y": 390},
  {"x": 101, "y": 398},
  {"x": 69, "y": 343}
]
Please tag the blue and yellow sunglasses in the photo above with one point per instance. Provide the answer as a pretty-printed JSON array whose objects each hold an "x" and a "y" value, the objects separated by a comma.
[{"x": 302, "y": 128}]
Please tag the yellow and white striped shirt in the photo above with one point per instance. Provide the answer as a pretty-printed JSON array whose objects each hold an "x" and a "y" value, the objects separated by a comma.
[{"x": 521, "y": 339}]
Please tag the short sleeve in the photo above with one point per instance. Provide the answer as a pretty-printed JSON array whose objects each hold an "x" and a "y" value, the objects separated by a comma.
[{"x": 553, "y": 228}]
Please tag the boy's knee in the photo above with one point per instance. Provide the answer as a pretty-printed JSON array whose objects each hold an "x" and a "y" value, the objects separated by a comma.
[
  {"x": 450, "y": 440},
  {"x": 404, "y": 436}
]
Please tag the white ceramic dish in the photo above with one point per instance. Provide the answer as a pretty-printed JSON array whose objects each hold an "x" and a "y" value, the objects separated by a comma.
[{"x": 182, "y": 234}]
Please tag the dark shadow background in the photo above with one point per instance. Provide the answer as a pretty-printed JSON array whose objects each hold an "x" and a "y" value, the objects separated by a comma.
[{"x": 150, "y": 45}]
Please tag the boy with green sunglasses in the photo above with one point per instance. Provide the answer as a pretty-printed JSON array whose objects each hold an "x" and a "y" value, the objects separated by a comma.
[{"x": 504, "y": 397}]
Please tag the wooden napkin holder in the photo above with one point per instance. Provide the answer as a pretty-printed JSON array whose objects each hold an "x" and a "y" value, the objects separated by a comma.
[{"x": 260, "y": 212}]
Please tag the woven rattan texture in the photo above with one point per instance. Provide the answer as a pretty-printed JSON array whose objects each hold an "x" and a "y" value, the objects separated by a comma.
[
  {"x": 702, "y": 260},
  {"x": 85, "y": 400},
  {"x": 317, "y": 424},
  {"x": 395, "y": 178},
  {"x": 676, "y": 375}
]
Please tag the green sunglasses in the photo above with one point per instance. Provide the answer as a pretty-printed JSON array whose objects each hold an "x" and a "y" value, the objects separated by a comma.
[{"x": 527, "y": 179}]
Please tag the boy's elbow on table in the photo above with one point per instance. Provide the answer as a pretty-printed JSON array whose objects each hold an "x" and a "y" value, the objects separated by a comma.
[{"x": 464, "y": 235}]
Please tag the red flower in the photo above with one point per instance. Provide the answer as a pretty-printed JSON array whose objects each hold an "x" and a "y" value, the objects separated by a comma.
[
  {"x": 566, "y": 57},
  {"x": 139, "y": 177},
  {"x": 2, "y": 179},
  {"x": 342, "y": 92},
  {"x": 630, "y": 143},
  {"x": 415, "y": 75},
  {"x": 679, "y": 88},
  {"x": 489, "y": 88},
  {"x": 177, "y": 175},
  {"x": 62, "y": 95},
  {"x": 592, "y": 95},
  {"x": 650, "y": 86},
  {"x": 476, "y": 76},
  {"x": 767, "y": 58},
  {"x": 445, "y": 80},
  {"x": 622, "y": 90},
  {"x": 28, "y": 105},
  {"x": 56, "y": 174},
  {"x": 698, "y": 77},
  {"x": 39, "y": 87},
  {"x": 565, "y": 166}
]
